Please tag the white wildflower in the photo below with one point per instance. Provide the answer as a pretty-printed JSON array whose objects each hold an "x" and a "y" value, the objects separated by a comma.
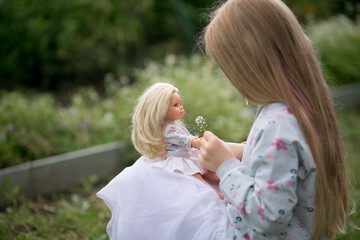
[{"x": 201, "y": 123}]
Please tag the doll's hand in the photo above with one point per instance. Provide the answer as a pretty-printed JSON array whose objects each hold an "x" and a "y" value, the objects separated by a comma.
[
  {"x": 214, "y": 151},
  {"x": 196, "y": 142}
]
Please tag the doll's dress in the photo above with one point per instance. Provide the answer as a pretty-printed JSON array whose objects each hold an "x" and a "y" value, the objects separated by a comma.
[
  {"x": 180, "y": 156},
  {"x": 150, "y": 203}
]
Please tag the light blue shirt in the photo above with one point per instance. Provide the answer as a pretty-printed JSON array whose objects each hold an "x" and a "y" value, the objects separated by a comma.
[{"x": 271, "y": 192}]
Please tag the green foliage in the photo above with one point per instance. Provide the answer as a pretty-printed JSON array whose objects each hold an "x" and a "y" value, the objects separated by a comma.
[
  {"x": 25, "y": 125},
  {"x": 55, "y": 44},
  {"x": 349, "y": 123},
  {"x": 322, "y": 9},
  {"x": 337, "y": 42},
  {"x": 51, "y": 44},
  {"x": 45, "y": 43},
  {"x": 79, "y": 215},
  {"x": 76, "y": 217},
  {"x": 31, "y": 127},
  {"x": 11, "y": 196}
]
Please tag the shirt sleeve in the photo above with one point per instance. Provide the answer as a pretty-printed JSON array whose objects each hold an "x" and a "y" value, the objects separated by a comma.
[
  {"x": 173, "y": 136},
  {"x": 265, "y": 195}
]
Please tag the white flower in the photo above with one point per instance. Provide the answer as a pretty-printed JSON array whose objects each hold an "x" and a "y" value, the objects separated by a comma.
[{"x": 201, "y": 123}]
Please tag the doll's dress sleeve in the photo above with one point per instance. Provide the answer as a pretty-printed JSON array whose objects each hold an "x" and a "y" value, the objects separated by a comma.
[
  {"x": 149, "y": 203},
  {"x": 180, "y": 157}
]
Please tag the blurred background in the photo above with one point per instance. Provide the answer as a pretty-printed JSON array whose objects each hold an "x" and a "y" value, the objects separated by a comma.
[{"x": 71, "y": 71}]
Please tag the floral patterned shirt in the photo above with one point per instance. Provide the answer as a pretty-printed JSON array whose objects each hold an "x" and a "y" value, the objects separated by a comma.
[{"x": 271, "y": 192}]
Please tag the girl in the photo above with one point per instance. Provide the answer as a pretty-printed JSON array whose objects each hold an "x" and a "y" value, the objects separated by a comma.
[
  {"x": 291, "y": 182},
  {"x": 148, "y": 200}
]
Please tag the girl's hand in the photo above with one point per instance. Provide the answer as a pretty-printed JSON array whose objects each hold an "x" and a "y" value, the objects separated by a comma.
[
  {"x": 214, "y": 151},
  {"x": 237, "y": 149}
]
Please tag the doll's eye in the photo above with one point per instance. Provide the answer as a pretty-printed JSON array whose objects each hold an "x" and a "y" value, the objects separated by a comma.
[{"x": 175, "y": 105}]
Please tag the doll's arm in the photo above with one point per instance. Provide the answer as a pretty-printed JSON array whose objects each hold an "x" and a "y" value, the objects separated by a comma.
[
  {"x": 198, "y": 176},
  {"x": 173, "y": 136},
  {"x": 237, "y": 149},
  {"x": 196, "y": 142}
]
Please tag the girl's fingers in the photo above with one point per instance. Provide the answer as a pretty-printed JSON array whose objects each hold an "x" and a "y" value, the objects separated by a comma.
[
  {"x": 209, "y": 139},
  {"x": 214, "y": 151},
  {"x": 208, "y": 135},
  {"x": 204, "y": 144},
  {"x": 202, "y": 153}
]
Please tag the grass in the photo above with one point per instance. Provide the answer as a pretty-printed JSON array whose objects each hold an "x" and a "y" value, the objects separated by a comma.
[
  {"x": 77, "y": 215},
  {"x": 349, "y": 123},
  {"x": 80, "y": 215}
]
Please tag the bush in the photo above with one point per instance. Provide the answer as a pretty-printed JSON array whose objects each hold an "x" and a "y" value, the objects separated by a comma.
[
  {"x": 337, "y": 42},
  {"x": 49, "y": 45},
  {"x": 323, "y": 9},
  {"x": 31, "y": 127}
]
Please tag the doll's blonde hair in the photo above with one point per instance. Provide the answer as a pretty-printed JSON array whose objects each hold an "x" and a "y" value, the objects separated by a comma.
[
  {"x": 262, "y": 49},
  {"x": 149, "y": 118}
]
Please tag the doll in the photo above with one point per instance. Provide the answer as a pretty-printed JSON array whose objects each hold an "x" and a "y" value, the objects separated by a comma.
[
  {"x": 157, "y": 197},
  {"x": 158, "y": 133}
]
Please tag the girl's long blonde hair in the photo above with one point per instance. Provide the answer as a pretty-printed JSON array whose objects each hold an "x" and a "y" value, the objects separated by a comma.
[
  {"x": 149, "y": 118},
  {"x": 262, "y": 49}
]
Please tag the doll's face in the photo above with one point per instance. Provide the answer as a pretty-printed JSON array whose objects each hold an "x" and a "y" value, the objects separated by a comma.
[{"x": 176, "y": 110}]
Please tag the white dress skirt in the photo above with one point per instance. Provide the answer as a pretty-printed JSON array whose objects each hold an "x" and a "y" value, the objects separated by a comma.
[
  {"x": 187, "y": 166},
  {"x": 151, "y": 203}
]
